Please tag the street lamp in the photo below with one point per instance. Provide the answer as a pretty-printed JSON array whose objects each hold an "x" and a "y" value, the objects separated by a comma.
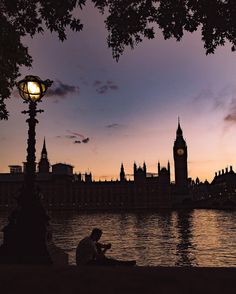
[
  {"x": 32, "y": 88},
  {"x": 25, "y": 235}
]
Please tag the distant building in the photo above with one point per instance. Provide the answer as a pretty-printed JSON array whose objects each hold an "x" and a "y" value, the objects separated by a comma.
[
  {"x": 61, "y": 188},
  {"x": 220, "y": 193},
  {"x": 15, "y": 169},
  {"x": 62, "y": 169}
]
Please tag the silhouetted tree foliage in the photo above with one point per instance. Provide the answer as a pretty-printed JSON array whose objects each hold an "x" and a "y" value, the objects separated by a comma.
[{"x": 128, "y": 22}]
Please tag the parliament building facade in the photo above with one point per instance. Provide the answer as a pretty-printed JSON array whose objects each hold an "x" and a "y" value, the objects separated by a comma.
[{"x": 60, "y": 188}]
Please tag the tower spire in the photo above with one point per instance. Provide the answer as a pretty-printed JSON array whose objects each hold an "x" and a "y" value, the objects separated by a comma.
[
  {"x": 179, "y": 132},
  {"x": 122, "y": 173},
  {"x": 44, "y": 165},
  {"x": 44, "y": 150}
]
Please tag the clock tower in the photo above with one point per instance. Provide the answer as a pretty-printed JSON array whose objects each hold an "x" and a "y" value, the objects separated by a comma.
[{"x": 180, "y": 160}]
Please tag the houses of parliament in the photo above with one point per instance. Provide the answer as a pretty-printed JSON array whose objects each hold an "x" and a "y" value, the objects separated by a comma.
[{"x": 60, "y": 188}]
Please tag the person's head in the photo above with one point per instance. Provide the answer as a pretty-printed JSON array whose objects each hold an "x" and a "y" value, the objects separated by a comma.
[{"x": 96, "y": 234}]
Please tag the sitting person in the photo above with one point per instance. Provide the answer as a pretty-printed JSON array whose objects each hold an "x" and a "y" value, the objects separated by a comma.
[{"x": 90, "y": 252}]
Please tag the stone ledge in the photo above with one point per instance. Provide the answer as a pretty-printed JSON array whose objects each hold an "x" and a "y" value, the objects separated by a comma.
[{"x": 112, "y": 280}]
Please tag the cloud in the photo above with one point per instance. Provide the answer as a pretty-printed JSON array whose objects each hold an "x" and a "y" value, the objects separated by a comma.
[
  {"x": 103, "y": 87},
  {"x": 81, "y": 137},
  {"x": 74, "y": 135},
  {"x": 97, "y": 83},
  {"x": 230, "y": 117},
  {"x": 204, "y": 94},
  {"x": 224, "y": 96},
  {"x": 70, "y": 136},
  {"x": 229, "y": 95},
  {"x": 113, "y": 126},
  {"x": 86, "y": 140},
  {"x": 66, "y": 137},
  {"x": 217, "y": 100},
  {"x": 113, "y": 87},
  {"x": 223, "y": 100},
  {"x": 59, "y": 89}
]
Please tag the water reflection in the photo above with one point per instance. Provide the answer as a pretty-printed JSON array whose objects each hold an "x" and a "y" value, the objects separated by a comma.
[
  {"x": 170, "y": 238},
  {"x": 167, "y": 238},
  {"x": 185, "y": 250}
]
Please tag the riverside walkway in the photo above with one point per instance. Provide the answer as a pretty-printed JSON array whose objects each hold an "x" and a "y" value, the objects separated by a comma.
[{"x": 112, "y": 280}]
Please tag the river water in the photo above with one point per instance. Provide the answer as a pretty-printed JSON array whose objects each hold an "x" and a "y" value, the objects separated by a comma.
[{"x": 167, "y": 238}]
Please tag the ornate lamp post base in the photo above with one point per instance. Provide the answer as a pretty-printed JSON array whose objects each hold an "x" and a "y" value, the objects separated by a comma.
[{"x": 25, "y": 237}]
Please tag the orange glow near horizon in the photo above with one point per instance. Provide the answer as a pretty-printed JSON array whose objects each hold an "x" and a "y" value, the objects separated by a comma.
[{"x": 105, "y": 152}]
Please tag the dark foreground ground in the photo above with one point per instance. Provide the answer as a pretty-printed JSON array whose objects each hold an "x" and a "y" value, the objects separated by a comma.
[{"x": 72, "y": 279}]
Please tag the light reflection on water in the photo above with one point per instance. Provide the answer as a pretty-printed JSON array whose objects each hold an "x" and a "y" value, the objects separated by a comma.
[{"x": 169, "y": 238}]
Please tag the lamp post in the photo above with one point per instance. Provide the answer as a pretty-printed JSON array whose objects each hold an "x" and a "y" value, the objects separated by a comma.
[
  {"x": 31, "y": 89},
  {"x": 24, "y": 240}
]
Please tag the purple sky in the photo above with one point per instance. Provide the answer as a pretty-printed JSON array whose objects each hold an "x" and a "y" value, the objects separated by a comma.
[{"x": 128, "y": 109}]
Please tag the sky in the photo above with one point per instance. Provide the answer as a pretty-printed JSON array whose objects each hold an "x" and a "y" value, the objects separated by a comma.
[{"x": 128, "y": 109}]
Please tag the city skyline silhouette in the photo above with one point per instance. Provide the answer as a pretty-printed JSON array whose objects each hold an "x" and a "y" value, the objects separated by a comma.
[
  {"x": 129, "y": 109},
  {"x": 117, "y": 135}
]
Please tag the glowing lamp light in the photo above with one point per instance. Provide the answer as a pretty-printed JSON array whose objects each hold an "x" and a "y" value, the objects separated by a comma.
[{"x": 32, "y": 88}]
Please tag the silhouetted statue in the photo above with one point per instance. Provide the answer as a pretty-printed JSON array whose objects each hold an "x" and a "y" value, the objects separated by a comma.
[{"x": 90, "y": 252}]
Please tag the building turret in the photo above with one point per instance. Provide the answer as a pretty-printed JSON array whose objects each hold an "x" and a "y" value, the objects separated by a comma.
[
  {"x": 140, "y": 173},
  {"x": 44, "y": 165},
  {"x": 88, "y": 178},
  {"x": 135, "y": 169},
  {"x": 168, "y": 167},
  {"x": 144, "y": 169},
  {"x": 79, "y": 177},
  {"x": 163, "y": 171},
  {"x": 122, "y": 173}
]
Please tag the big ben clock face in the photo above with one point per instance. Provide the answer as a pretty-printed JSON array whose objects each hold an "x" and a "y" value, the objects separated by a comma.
[{"x": 180, "y": 151}]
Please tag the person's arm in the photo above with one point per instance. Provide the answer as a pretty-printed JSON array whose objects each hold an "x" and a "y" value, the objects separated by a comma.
[
  {"x": 97, "y": 251},
  {"x": 102, "y": 248}
]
